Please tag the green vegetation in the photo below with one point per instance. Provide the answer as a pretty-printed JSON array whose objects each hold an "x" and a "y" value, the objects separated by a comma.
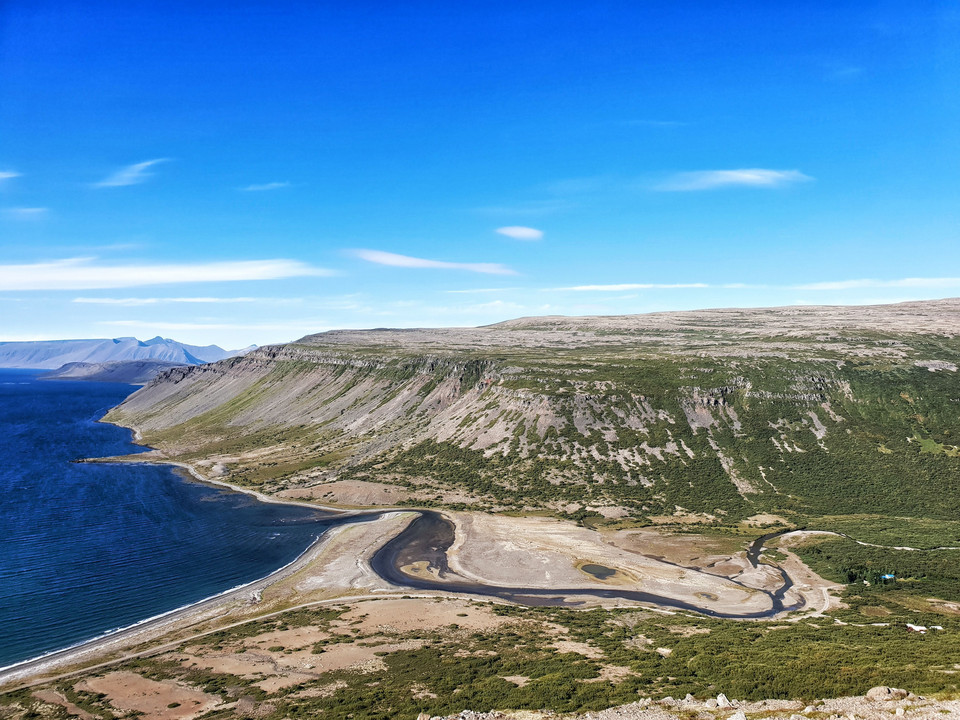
[
  {"x": 917, "y": 574},
  {"x": 627, "y": 654},
  {"x": 839, "y": 431}
]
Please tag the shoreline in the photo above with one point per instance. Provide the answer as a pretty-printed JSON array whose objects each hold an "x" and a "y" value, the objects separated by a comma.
[
  {"x": 125, "y": 637},
  {"x": 76, "y": 652},
  {"x": 132, "y": 459},
  {"x": 100, "y": 643}
]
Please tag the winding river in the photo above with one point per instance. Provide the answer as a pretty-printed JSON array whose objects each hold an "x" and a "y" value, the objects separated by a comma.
[{"x": 429, "y": 537}]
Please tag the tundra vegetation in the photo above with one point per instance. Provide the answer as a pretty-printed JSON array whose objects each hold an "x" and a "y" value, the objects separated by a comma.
[
  {"x": 726, "y": 423},
  {"x": 563, "y": 659}
]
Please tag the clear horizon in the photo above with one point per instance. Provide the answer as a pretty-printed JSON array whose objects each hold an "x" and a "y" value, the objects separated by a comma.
[{"x": 242, "y": 174}]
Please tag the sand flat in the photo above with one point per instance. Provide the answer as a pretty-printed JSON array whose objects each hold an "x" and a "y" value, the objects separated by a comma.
[{"x": 132, "y": 692}]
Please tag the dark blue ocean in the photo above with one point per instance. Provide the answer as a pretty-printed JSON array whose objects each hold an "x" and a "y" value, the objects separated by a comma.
[{"x": 85, "y": 549}]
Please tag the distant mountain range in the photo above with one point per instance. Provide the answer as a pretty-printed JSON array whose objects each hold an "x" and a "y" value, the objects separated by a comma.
[{"x": 52, "y": 354}]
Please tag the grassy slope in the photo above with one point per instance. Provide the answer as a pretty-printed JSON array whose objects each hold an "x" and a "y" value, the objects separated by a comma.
[{"x": 847, "y": 434}]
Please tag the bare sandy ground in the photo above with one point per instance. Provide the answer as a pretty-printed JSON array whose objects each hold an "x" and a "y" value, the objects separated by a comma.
[
  {"x": 547, "y": 553},
  {"x": 132, "y": 692},
  {"x": 285, "y": 658}
]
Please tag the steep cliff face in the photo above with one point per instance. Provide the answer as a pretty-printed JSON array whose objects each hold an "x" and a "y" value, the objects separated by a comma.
[{"x": 686, "y": 414}]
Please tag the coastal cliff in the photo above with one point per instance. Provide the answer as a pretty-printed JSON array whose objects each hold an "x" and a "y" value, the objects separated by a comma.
[{"x": 711, "y": 416}]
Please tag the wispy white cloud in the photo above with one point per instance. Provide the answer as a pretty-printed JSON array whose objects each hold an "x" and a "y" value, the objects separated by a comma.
[
  {"x": 529, "y": 208},
  {"x": 265, "y": 186},
  {"x": 577, "y": 186},
  {"x": 90, "y": 274},
  {"x": 303, "y": 327},
  {"x": 470, "y": 291},
  {"x": 832, "y": 285},
  {"x": 652, "y": 123},
  {"x": 502, "y": 308},
  {"x": 25, "y": 213},
  {"x": 405, "y": 261},
  {"x": 137, "y": 302},
  {"x": 8, "y": 175},
  {"x": 844, "y": 72},
  {"x": 131, "y": 174},
  {"x": 746, "y": 177},
  {"x": 621, "y": 287},
  {"x": 519, "y": 232},
  {"x": 930, "y": 283}
]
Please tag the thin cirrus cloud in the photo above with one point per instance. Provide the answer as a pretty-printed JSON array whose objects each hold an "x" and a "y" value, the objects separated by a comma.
[
  {"x": 301, "y": 327},
  {"x": 745, "y": 177},
  {"x": 929, "y": 283},
  {"x": 529, "y": 208},
  {"x": 471, "y": 291},
  {"x": 131, "y": 174},
  {"x": 137, "y": 302},
  {"x": 25, "y": 213},
  {"x": 88, "y": 274},
  {"x": 264, "y": 187},
  {"x": 520, "y": 232},
  {"x": 621, "y": 287},
  {"x": 8, "y": 175},
  {"x": 380, "y": 257},
  {"x": 652, "y": 123}
]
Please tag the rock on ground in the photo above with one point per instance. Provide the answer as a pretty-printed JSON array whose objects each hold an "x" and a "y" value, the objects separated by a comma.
[{"x": 880, "y": 703}]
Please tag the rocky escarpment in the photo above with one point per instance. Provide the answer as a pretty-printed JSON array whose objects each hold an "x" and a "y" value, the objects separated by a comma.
[{"x": 621, "y": 416}]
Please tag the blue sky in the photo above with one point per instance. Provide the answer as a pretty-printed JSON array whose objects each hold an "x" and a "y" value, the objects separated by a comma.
[{"x": 250, "y": 172}]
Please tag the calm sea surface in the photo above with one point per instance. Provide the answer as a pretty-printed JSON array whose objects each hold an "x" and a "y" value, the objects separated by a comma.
[{"x": 85, "y": 549}]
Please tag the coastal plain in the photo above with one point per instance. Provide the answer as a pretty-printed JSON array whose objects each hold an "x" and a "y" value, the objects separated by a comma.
[{"x": 721, "y": 461}]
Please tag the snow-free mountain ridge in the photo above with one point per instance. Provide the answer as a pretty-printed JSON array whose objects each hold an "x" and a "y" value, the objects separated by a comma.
[{"x": 51, "y": 354}]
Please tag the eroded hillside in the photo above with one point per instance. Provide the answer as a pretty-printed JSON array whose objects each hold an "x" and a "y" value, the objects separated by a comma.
[{"x": 717, "y": 416}]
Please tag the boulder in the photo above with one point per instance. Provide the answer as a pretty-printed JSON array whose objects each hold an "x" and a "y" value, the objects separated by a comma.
[{"x": 883, "y": 693}]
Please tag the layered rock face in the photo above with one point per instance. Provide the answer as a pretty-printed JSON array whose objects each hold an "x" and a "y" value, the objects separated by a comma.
[{"x": 712, "y": 414}]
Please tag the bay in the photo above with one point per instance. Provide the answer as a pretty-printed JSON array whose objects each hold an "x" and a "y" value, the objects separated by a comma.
[{"x": 86, "y": 548}]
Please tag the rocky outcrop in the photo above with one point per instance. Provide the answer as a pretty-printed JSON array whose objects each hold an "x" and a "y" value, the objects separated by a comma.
[
  {"x": 869, "y": 707},
  {"x": 643, "y": 402}
]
